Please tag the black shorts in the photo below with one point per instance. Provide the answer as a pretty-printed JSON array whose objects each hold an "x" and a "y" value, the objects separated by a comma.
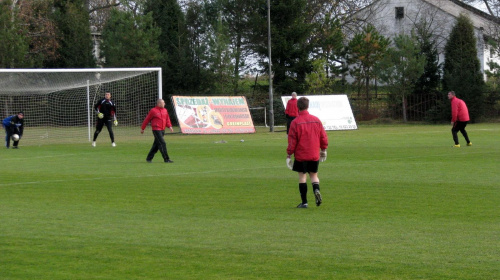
[{"x": 305, "y": 166}]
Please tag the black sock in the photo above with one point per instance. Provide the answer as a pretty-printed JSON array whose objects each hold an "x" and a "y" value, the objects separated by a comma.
[
  {"x": 315, "y": 186},
  {"x": 303, "y": 192}
]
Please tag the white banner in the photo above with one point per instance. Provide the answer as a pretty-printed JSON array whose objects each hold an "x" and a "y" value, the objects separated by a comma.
[{"x": 334, "y": 111}]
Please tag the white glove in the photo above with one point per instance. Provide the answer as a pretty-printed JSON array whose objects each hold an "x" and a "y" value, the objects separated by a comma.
[
  {"x": 289, "y": 163},
  {"x": 100, "y": 115},
  {"x": 115, "y": 122},
  {"x": 322, "y": 155}
]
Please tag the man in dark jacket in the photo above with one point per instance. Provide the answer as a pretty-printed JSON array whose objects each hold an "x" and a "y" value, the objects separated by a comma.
[
  {"x": 159, "y": 119},
  {"x": 13, "y": 125},
  {"x": 307, "y": 141},
  {"x": 106, "y": 115}
]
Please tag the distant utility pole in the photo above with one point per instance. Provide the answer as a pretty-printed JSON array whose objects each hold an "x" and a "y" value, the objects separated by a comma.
[{"x": 271, "y": 110}]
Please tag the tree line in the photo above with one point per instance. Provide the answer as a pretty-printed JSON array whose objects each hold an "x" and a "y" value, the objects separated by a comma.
[{"x": 205, "y": 46}]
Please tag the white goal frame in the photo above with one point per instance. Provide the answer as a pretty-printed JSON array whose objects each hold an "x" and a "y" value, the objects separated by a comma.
[{"x": 9, "y": 89}]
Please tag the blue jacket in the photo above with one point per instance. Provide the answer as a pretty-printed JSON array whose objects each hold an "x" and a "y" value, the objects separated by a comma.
[{"x": 14, "y": 121}]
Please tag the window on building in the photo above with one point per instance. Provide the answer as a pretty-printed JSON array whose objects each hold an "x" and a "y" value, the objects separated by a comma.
[{"x": 400, "y": 12}]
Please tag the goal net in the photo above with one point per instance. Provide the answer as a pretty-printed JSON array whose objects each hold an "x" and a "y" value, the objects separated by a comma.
[{"x": 58, "y": 104}]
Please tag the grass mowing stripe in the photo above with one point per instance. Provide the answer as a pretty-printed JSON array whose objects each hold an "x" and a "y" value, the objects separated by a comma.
[{"x": 399, "y": 205}]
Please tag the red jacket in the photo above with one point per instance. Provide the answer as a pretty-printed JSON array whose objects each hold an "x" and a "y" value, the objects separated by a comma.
[
  {"x": 459, "y": 111},
  {"x": 291, "y": 108},
  {"x": 159, "y": 119},
  {"x": 306, "y": 137}
]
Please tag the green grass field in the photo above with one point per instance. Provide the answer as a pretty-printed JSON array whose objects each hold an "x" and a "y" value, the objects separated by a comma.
[{"x": 398, "y": 203}]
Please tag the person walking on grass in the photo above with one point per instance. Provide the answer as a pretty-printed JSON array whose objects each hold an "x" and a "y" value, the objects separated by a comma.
[
  {"x": 159, "y": 119},
  {"x": 459, "y": 118},
  {"x": 307, "y": 141}
]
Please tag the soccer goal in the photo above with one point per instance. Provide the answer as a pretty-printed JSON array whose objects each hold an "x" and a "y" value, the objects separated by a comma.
[{"x": 58, "y": 104}]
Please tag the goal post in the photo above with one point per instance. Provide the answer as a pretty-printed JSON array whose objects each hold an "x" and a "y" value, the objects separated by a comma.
[{"x": 58, "y": 104}]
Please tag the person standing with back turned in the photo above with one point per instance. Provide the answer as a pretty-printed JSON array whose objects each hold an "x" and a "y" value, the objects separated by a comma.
[
  {"x": 159, "y": 119},
  {"x": 459, "y": 118},
  {"x": 307, "y": 141}
]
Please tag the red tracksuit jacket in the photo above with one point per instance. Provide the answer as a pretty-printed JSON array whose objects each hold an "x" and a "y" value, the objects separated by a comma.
[
  {"x": 459, "y": 111},
  {"x": 306, "y": 137},
  {"x": 159, "y": 119},
  {"x": 291, "y": 108}
]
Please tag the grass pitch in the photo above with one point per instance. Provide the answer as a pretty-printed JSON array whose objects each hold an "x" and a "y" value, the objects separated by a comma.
[{"x": 398, "y": 203}]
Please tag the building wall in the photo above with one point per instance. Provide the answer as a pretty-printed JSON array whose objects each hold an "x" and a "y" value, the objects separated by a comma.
[{"x": 439, "y": 15}]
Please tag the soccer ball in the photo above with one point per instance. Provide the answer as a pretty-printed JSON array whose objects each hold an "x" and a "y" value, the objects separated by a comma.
[{"x": 15, "y": 137}]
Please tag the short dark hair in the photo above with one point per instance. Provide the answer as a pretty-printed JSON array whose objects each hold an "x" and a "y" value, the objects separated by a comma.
[
  {"x": 303, "y": 103},
  {"x": 452, "y": 92}
]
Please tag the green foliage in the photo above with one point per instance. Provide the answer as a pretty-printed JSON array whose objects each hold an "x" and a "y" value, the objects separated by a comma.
[
  {"x": 401, "y": 67},
  {"x": 291, "y": 49},
  {"x": 328, "y": 38},
  {"x": 237, "y": 18},
  {"x": 462, "y": 72},
  {"x": 130, "y": 41},
  {"x": 365, "y": 50},
  {"x": 430, "y": 80},
  {"x": 179, "y": 72},
  {"x": 14, "y": 45},
  {"x": 317, "y": 80},
  {"x": 394, "y": 207},
  {"x": 76, "y": 46}
]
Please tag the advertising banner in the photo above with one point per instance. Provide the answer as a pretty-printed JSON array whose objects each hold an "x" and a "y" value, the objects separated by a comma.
[
  {"x": 334, "y": 111},
  {"x": 213, "y": 114}
]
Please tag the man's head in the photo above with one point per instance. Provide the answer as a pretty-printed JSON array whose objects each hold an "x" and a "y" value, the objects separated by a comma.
[
  {"x": 294, "y": 94},
  {"x": 303, "y": 103},
  {"x": 20, "y": 115},
  {"x": 107, "y": 95},
  {"x": 451, "y": 94},
  {"x": 160, "y": 103}
]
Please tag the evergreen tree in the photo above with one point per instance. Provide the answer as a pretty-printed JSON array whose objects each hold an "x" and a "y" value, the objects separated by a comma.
[
  {"x": 179, "y": 74},
  {"x": 462, "y": 72},
  {"x": 290, "y": 45},
  {"x": 129, "y": 41},
  {"x": 237, "y": 18},
  {"x": 429, "y": 82},
  {"x": 14, "y": 45},
  {"x": 75, "y": 40},
  {"x": 365, "y": 50},
  {"x": 401, "y": 67}
]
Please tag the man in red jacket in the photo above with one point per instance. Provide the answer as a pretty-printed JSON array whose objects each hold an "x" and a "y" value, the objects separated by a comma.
[
  {"x": 459, "y": 118},
  {"x": 158, "y": 116},
  {"x": 291, "y": 111},
  {"x": 307, "y": 141}
]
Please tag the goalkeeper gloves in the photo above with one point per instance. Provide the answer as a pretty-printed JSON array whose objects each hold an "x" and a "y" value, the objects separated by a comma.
[
  {"x": 289, "y": 163},
  {"x": 322, "y": 155},
  {"x": 100, "y": 115},
  {"x": 115, "y": 122}
]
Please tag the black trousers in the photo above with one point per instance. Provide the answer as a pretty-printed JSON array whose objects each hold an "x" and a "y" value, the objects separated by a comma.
[
  {"x": 9, "y": 131},
  {"x": 289, "y": 120},
  {"x": 158, "y": 144},
  {"x": 109, "y": 125},
  {"x": 459, "y": 126}
]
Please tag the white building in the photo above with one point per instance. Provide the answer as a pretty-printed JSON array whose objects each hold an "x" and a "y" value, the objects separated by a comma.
[{"x": 392, "y": 17}]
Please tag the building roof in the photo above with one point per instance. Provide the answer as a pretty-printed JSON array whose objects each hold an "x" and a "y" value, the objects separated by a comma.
[{"x": 476, "y": 11}]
